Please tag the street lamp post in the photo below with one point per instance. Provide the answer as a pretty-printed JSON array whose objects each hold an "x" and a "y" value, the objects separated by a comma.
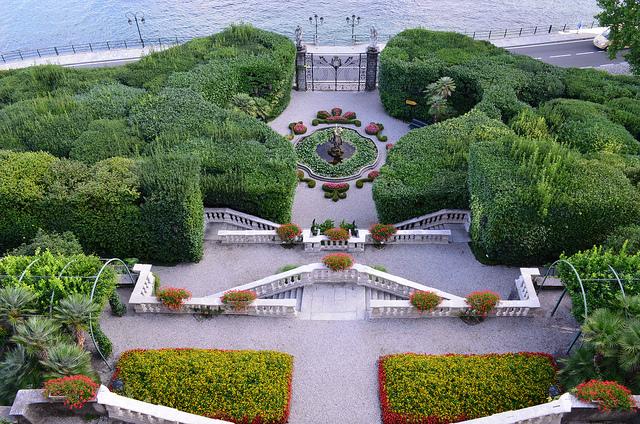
[
  {"x": 353, "y": 21},
  {"x": 138, "y": 18},
  {"x": 317, "y": 19}
]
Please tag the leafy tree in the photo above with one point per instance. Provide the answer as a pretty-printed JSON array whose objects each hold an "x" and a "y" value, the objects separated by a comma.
[
  {"x": 65, "y": 244},
  {"x": 15, "y": 303},
  {"x": 623, "y": 19},
  {"x": 74, "y": 311}
]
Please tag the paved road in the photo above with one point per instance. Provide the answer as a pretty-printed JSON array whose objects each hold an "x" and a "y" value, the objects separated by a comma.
[{"x": 577, "y": 53}]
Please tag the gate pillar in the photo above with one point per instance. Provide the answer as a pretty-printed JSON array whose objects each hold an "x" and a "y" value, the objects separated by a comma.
[
  {"x": 301, "y": 69},
  {"x": 372, "y": 68}
]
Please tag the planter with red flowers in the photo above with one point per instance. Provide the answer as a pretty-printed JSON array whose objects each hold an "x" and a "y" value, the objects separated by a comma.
[
  {"x": 338, "y": 261},
  {"x": 375, "y": 128},
  {"x": 608, "y": 395},
  {"x": 288, "y": 234},
  {"x": 371, "y": 176},
  {"x": 381, "y": 233},
  {"x": 75, "y": 391},
  {"x": 238, "y": 300},
  {"x": 296, "y": 128},
  {"x": 389, "y": 146},
  {"x": 173, "y": 297},
  {"x": 424, "y": 301},
  {"x": 481, "y": 304},
  {"x": 336, "y": 117},
  {"x": 335, "y": 191}
]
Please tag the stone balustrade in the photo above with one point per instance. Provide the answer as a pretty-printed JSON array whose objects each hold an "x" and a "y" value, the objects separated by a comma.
[
  {"x": 321, "y": 242},
  {"x": 239, "y": 219},
  {"x": 249, "y": 236},
  {"x": 437, "y": 220}
]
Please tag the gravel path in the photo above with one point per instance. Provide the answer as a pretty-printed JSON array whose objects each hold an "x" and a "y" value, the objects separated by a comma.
[
  {"x": 335, "y": 378},
  {"x": 449, "y": 267}
]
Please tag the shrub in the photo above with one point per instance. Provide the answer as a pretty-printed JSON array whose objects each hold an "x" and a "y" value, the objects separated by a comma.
[
  {"x": 238, "y": 299},
  {"x": 289, "y": 233},
  {"x": 322, "y": 114},
  {"x": 380, "y": 268},
  {"x": 337, "y": 234},
  {"x": 338, "y": 261},
  {"x": 372, "y": 128},
  {"x": 372, "y": 175},
  {"x": 104, "y": 139},
  {"x": 463, "y": 387},
  {"x": 65, "y": 244},
  {"x": 481, "y": 303},
  {"x": 625, "y": 111},
  {"x": 285, "y": 268},
  {"x": 336, "y": 111},
  {"x": 389, "y": 146},
  {"x": 424, "y": 301},
  {"x": 103, "y": 342},
  {"x": 335, "y": 191},
  {"x": 173, "y": 297},
  {"x": 110, "y": 101},
  {"x": 609, "y": 395},
  {"x": 117, "y": 307},
  {"x": 77, "y": 390},
  {"x": 299, "y": 128},
  {"x": 626, "y": 236},
  {"x": 380, "y": 233},
  {"x": 598, "y": 86},
  {"x": 250, "y": 386}
]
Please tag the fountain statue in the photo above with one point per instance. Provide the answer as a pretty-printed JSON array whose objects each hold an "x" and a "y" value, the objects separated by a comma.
[{"x": 336, "y": 151}]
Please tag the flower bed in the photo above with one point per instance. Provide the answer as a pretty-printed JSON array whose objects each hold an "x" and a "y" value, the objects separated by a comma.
[
  {"x": 337, "y": 234},
  {"x": 77, "y": 390},
  {"x": 238, "y": 299},
  {"x": 296, "y": 128},
  {"x": 366, "y": 153},
  {"x": 288, "y": 233},
  {"x": 335, "y": 117},
  {"x": 380, "y": 233},
  {"x": 173, "y": 297},
  {"x": 335, "y": 191},
  {"x": 338, "y": 261},
  {"x": 241, "y": 386},
  {"x": 609, "y": 395},
  {"x": 441, "y": 389},
  {"x": 424, "y": 301},
  {"x": 370, "y": 177},
  {"x": 375, "y": 128}
]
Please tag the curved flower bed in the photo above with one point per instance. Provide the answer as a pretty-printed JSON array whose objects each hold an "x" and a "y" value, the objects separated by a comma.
[{"x": 366, "y": 154}]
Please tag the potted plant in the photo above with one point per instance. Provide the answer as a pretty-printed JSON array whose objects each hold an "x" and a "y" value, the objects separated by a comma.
[
  {"x": 173, "y": 297},
  {"x": 238, "y": 300},
  {"x": 480, "y": 303},
  {"x": 424, "y": 301},
  {"x": 337, "y": 234},
  {"x": 338, "y": 261},
  {"x": 75, "y": 391},
  {"x": 380, "y": 233},
  {"x": 288, "y": 234}
]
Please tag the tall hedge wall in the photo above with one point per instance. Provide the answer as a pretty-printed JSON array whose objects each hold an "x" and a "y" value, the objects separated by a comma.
[{"x": 111, "y": 206}]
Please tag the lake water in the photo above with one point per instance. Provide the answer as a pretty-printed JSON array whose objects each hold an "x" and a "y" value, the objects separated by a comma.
[{"x": 42, "y": 23}]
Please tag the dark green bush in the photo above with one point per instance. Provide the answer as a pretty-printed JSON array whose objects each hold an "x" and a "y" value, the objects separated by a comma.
[
  {"x": 102, "y": 340},
  {"x": 531, "y": 201},
  {"x": 407, "y": 187},
  {"x": 626, "y": 112},
  {"x": 626, "y": 236},
  {"x": 105, "y": 139},
  {"x": 110, "y": 101},
  {"x": 65, "y": 244},
  {"x": 117, "y": 307},
  {"x": 599, "y": 86}
]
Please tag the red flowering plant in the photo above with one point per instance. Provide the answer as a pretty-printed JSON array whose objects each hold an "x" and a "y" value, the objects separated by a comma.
[
  {"x": 373, "y": 175},
  {"x": 173, "y": 297},
  {"x": 323, "y": 114},
  {"x": 380, "y": 233},
  {"x": 349, "y": 115},
  {"x": 609, "y": 395},
  {"x": 336, "y": 111},
  {"x": 337, "y": 234},
  {"x": 288, "y": 233},
  {"x": 372, "y": 128},
  {"x": 238, "y": 299},
  {"x": 77, "y": 390},
  {"x": 424, "y": 301},
  {"x": 335, "y": 186},
  {"x": 389, "y": 146},
  {"x": 335, "y": 191},
  {"x": 299, "y": 128},
  {"x": 338, "y": 261},
  {"x": 481, "y": 303},
  {"x": 335, "y": 117}
]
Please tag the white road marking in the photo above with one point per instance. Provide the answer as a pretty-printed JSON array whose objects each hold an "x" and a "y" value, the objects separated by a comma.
[
  {"x": 559, "y": 55},
  {"x": 547, "y": 44},
  {"x": 586, "y": 67},
  {"x": 580, "y": 54},
  {"x": 539, "y": 58}
]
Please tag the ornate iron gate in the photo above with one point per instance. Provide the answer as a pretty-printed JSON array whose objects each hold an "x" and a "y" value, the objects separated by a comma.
[{"x": 335, "y": 72}]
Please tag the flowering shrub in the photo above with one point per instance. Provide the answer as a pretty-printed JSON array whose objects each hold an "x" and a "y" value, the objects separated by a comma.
[
  {"x": 241, "y": 386},
  {"x": 338, "y": 261},
  {"x": 609, "y": 395},
  {"x": 424, "y": 301},
  {"x": 482, "y": 302},
  {"x": 336, "y": 117},
  {"x": 299, "y": 128},
  {"x": 461, "y": 387},
  {"x": 173, "y": 297},
  {"x": 323, "y": 114},
  {"x": 337, "y": 234},
  {"x": 389, "y": 146},
  {"x": 77, "y": 390},
  {"x": 288, "y": 233},
  {"x": 335, "y": 186},
  {"x": 372, "y": 128},
  {"x": 336, "y": 111},
  {"x": 349, "y": 115},
  {"x": 380, "y": 233},
  {"x": 238, "y": 299},
  {"x": 373, "y": 175}
]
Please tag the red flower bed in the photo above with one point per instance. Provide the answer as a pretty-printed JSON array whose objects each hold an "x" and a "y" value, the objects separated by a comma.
[
  {"x": 424, "y": 301},
  {"x": 336, "y": 111},
  {"x": 238, "y": 299},
  {"x": 299, "y": 128},
  {"x": 380, "y": 233},
  {"x": 609, "y": 395},
  {"x": 372, "y": 128},
  {"x": 482, "y": 302},
  {"x": 335, "y": 186},
  {"x": 349, "y": 115},
  {"x": 173, "y": 297},
  {"x": 389, "y": 146},
  {"x": 373, "y": 175},
  {"x": 338, "y": 261},
  {"x": 288, "y": 233},
  {"x": 323, "y": 114},
  {"x": 77, "y": 390},
  {"x": 337, "y": 234}
]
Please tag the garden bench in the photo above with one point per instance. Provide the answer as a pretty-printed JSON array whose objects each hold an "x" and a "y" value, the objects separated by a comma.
[{"x": 416, "y": 123}]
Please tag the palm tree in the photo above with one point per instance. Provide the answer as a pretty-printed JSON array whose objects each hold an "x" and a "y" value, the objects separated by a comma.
[
  {"x": 602, "y": 330},
  {"x": 443, "y": 87},
  {"x": 438, "y": 107},
  {"x": 17, "y": 371},
  {"x": 75, "y": 312},
  {"x": 64, "y": 359},
  {"x": 15, "y": 303},
  {"x": 35, "y": 335}
]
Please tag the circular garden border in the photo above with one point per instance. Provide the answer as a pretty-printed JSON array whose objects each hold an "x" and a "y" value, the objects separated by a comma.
[{"x": 309, "y": 161}]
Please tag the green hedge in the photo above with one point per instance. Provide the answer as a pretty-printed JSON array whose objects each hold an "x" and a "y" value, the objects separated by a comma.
[
  {"x": 594, "y": 264},
  {"x": 441, "y": 389},
  {"x": 78, "y": 277},
  {"x": 532, "y": 201},
  {"x": 110, "y": 206},
  {"x": 239, "y": 386},
  {"x": 408, "y": 187},
  {"x": 104, "y": 139}
]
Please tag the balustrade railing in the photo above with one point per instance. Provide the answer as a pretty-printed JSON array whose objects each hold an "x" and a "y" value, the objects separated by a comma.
[
  {"x": 437, "y": 220},
  {"x": 239, "y": 219}
]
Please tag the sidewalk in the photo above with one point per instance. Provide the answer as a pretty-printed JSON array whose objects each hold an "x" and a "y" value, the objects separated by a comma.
[{"x": 554, "y": 37}]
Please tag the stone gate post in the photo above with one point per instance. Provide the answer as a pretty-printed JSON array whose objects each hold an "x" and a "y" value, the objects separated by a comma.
[
  {"x": 372, "y": 68},
  {"x": 301, "y": 70}
]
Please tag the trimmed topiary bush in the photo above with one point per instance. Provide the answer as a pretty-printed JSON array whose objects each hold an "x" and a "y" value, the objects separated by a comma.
[
  {"x": 424, "y": 301},
  {"x": 481, "y": 303},
  {"x": 338, "y": 261}
]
